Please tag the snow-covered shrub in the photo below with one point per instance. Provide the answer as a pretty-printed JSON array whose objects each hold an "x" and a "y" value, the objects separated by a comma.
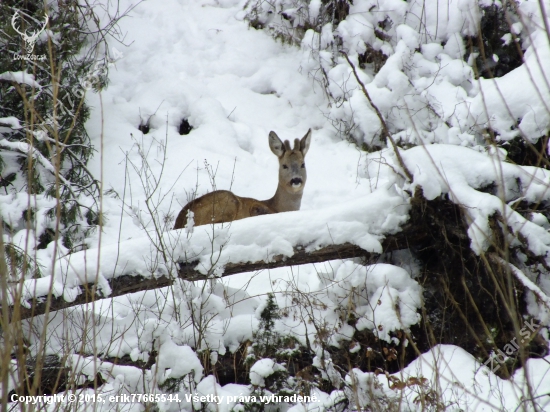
[
  {"x": 269, "y": 355},
  {"x": 176, "y": 364},
  {"x": 382, "y": 297},
  {"x": 266, "y": 338},
  {"x": 288, "y": 20},
  {"x": 44, "y": 147},
  {"x": 359, "y": 315},
  {"x": 429, "y": 70}
]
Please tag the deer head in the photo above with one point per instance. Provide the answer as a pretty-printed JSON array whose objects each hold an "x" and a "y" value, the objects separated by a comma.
[
  {"x": 292, "y": 168},
  {"x": 29, "y": 39}
]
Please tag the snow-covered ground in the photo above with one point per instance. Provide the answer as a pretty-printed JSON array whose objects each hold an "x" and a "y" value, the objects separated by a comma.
[{"x": 199, "y": 60}]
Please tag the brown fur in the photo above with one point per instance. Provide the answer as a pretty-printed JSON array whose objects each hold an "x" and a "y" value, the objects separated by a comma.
[{"x": 219, "y": 207}]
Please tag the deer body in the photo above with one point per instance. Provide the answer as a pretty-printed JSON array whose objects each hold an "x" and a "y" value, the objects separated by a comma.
[{"x": 224, "y": 206}]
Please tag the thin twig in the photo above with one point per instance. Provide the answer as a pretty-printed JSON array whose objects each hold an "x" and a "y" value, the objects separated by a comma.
[
  {"x": 380, "y": 117},
  {"x": 525, "y": 281}
]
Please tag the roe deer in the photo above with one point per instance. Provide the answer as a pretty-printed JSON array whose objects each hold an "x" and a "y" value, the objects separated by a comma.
[{"x": 223, "y": 206}]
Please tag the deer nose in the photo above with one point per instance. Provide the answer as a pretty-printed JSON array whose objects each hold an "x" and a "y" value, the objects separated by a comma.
[{"x": 296, "y": 182}]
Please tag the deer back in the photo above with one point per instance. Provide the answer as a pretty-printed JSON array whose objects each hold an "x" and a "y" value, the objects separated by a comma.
[{"x": 221, "y": 206}]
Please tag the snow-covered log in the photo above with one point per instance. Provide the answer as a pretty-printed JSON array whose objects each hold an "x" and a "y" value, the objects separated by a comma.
[{"x": 130, "y": 283}]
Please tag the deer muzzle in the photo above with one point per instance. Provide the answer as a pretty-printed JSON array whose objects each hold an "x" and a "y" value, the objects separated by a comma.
[{"x": 296, "y": 182}]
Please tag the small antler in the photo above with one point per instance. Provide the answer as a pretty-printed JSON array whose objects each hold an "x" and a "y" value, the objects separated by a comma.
[
  {"x": 45, "y": 24},
  {"x": 13, "y": 19}
]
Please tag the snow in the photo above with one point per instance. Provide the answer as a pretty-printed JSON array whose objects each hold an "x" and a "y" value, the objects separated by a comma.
[
  {"x": 464, "y": 383},
  {"x": 425, "y": 93},
  {"x": 262, "y": 369},
  {"x": 458, "y": 171},
  {"x": 248, "y": 240},
  {"x": 201, "y": 62},
  {"x": 180, "y": 360},
  {"x": 529, "y": 102},
  {"x": 384, "y": 298},
  {"x": 20, "y": 77},
  {"x": 11, "y": 121}
]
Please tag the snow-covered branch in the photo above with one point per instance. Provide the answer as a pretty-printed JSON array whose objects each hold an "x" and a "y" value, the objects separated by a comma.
[{"x": 525, "y": 281}]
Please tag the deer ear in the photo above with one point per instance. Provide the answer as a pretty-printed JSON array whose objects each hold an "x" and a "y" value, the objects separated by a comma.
[
  {"x": 305, "y": 142},
  {"x": 275, "y": 144}
]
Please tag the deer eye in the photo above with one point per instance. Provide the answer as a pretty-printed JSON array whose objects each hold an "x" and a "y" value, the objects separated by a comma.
[
  {"x": 303, "y": 165},
  {"x": 285, "y": 167}
]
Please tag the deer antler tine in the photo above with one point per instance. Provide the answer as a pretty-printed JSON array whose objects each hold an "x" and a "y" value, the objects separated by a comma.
[
  {"x": 36, "y": 33},
  {"x": 46, "y": 21},
  {"x": 43, "y": 27},
  {"x": 296, "y": 144},
  {"x": 287, "y": 145},
  {"x": 13, "y": 23}
]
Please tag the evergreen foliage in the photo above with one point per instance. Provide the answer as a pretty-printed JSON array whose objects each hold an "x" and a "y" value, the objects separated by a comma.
[
  {"x": 44, "y": 146},
  {"x": 268, "y": 344}
]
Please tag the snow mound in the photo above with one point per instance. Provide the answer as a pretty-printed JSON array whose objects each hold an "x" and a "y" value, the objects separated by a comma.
[
  {"x": 459, "y": 172},
  {"x": 262, "y": 369}
]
